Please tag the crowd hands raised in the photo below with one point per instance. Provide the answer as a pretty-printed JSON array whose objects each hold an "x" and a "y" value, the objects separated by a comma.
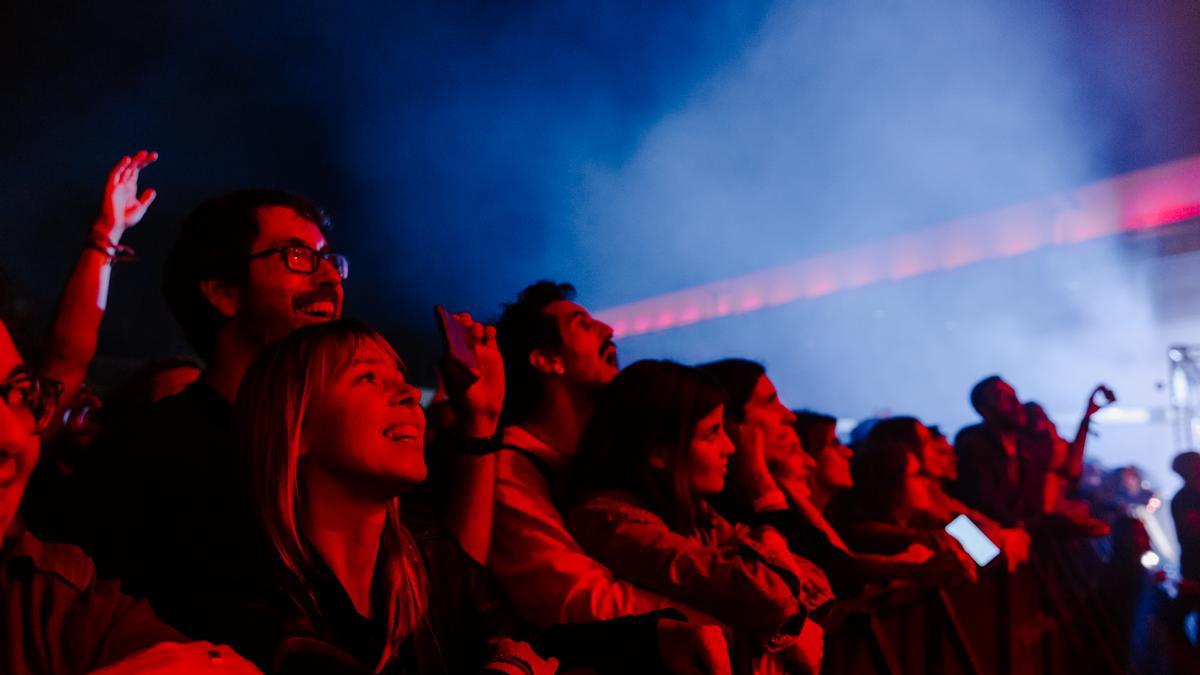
[{"x": 291, "y": 503}]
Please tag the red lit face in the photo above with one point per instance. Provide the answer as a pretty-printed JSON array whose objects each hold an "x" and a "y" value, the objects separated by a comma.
[
  {"x": 926, "y": 439},
  {"x": 708, "y": 457},
  {"x": 588, "y": 354},
  {"x": 940, "y": 460},
  {"x": 366, "y": 427},
  {"x": 765, "y": 411},
  {"x": 19, "y": 444},
  {"x": 833, "y": 463},
  {"x": 275, "y": 300}
]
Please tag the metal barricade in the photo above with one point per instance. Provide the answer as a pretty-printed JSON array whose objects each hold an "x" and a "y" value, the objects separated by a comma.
[{"x": 1047, "y": 617}]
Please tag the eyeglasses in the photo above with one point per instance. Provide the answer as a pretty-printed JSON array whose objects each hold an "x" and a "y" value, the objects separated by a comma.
[
  {"x": 39, "y": 395},
  {"x": 304, "y": 260}
]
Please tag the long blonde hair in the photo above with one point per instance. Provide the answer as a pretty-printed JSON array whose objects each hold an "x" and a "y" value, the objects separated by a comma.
[{"x": 272, "y": 401}]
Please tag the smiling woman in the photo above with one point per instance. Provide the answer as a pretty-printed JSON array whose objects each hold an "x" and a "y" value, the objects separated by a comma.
[
  {"x": 347, "y": 576},
  {"x": 320, "y": 413}
]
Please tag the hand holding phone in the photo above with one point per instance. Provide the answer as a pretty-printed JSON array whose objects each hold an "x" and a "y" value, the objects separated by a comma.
[
  {"x": 473, "y": 372},
  {"x": 973, "y": 540},
  {"x": 456, "y": 341}
]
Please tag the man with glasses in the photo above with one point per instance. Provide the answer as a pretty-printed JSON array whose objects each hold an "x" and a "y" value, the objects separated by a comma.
[
  {"x": 27, "y": 404},
  {"x": 56, "y": 616},
  {"x": 246, "y": 269}
]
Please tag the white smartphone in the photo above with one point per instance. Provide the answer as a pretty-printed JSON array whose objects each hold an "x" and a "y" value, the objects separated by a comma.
[{"x": 973, "y": 540}]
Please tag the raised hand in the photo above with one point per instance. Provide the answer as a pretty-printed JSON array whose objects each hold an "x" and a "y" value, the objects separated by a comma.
[
  {"x": 748, "y": 467},
  {"x": 477, "y": 394},
  {"x": 751, "y": 444},
  {"x": 1093, "y": 407},
  {"x": 122, "y": 208},
  {"x": 961, "y": 561},
  {"x": 1015, "y": 544}
]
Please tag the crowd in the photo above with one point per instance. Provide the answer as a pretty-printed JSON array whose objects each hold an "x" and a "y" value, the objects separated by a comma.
[{"x": 290, "y": 507}]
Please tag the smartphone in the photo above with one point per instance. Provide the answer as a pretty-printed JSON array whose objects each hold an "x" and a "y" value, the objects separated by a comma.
[
  {"x": 455, "y": 340},
  {"x": 973, "y": 540}
]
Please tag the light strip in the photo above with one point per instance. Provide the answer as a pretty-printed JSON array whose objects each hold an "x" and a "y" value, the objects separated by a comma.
[{"x": 1161, "y": 195}]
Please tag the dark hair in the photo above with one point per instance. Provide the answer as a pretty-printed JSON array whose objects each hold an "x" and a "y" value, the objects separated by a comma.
[
  {"x": 814, "y": 430},
  {"x": 1186, "y": 464},
  {"x": 1035, "y": 413},
  {"x": 650, "y": 406},
  {"x": 212, "y": 243},
  {"x": 737, "y": 377},
  {"x": 523, "y": 327},
  {"x": 880, "y": 467},
  {"x": 979, "y": 393}
]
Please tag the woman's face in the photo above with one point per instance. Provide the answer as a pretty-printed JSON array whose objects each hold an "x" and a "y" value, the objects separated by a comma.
[
  {"x": 940, "y": 460},
  {"x": 708, "y": 458},
  {"x": 765, "y": 411},
  {"x": 833, "y": 463},
  {"x": 916, "y": 486},
  {"x": 366, "y": 426}
]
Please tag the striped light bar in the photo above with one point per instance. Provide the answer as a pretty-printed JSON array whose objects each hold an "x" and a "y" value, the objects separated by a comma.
[{"x": 1165, "y": 194}]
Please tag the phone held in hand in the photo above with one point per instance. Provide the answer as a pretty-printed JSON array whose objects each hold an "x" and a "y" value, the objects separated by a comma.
[
  {"x": 455, "y": 340},
  {"x": 973, "y": 540}
]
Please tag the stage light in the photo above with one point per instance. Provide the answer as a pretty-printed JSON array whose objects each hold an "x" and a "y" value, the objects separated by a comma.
[
  {"x": 1149, "y": 198},
  {"x": 1149, "y": 560}
]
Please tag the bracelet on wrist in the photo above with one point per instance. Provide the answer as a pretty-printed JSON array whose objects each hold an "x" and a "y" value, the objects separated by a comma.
[{"x": 114, "y": 252}]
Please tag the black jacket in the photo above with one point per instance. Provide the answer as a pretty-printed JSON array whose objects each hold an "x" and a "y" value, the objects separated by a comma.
[{"x": 466, "y": 609}]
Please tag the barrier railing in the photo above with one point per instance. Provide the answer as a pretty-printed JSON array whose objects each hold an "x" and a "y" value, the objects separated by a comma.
[{"x": 1048, "y": 616}]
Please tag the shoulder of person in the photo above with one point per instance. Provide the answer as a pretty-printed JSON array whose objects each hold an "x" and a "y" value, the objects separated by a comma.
[
  {"x": 709, "y": 516},
  {"x": 185, "y": 418},
  {"x": 63, "y": 563},
  {"x": 196, "y": 403},
  {"x": 616, "y": 505},
  {"x": 1187, "y": 497},
  {"x": 970, "y": 433}
]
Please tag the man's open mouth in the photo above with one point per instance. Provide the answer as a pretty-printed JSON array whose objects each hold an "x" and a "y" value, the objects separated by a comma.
[
  {"x": 320, "y": 309},
  {"x": 608, "y": 352}
]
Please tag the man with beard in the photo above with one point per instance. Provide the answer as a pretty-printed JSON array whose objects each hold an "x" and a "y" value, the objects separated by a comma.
[
  {"x": 995, "y": 470},
  {"x": 557, "y": 357},
  {"x": 246, "y": 269}
]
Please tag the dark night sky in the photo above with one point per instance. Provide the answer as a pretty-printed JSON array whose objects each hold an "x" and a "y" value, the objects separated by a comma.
[{"x": 447, "y": 140}]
